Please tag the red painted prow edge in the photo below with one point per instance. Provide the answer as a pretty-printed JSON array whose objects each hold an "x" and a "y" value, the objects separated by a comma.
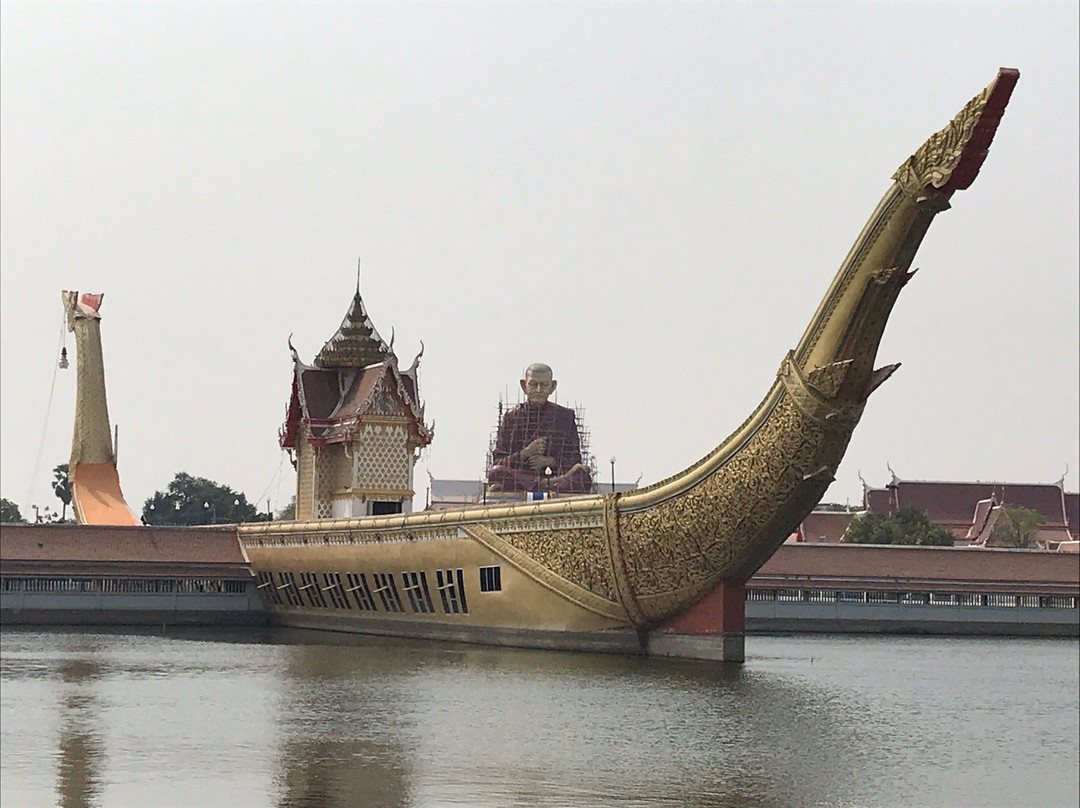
[{"x": 978, "y": 145}]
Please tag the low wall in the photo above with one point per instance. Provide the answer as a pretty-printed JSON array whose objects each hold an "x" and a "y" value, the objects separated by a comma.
[
  {"x": 871, "y": 618},
  {"x": 915, "y": 590},
  {"x": 125, "y": 576}
]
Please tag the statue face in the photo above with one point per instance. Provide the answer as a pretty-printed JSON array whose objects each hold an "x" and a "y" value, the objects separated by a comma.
[{"x": 537, "y": 387}]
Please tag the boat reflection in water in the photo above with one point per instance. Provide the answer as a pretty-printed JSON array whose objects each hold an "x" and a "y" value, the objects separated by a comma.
[
  {"x": 308, "y": 720},
  {"x": 408, "y": 725}
]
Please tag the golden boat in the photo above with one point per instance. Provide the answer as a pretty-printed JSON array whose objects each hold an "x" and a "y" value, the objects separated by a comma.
[{"x": 656, "y": 570}]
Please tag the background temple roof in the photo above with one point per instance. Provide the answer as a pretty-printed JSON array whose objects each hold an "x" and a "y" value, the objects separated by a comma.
[{"x": 958, "y": 503}]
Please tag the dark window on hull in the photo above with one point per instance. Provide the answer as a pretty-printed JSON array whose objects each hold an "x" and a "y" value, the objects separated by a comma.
[
  {"x": 309, "y": 586},
  {"x": 452, "y": 591},
  {"x": 268, "y": 588},
  {"x": 387, "y": 591},
  {"x": 360, "y": 592},
  {"x": 288, "y": 589},
  {"x": 331, "y": 587},
  {"x": 415, "y": 586},
  {"x": 490, "y": 579}
]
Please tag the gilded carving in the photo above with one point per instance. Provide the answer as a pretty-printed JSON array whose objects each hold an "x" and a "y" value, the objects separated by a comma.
[
  {"x": 827, "y": 380},
  {"x": 574, "y": 554},
  {"x": 549, "y": 571},
  {"x": 932, "y": 165},
  {"x": 682, "y": 546}
]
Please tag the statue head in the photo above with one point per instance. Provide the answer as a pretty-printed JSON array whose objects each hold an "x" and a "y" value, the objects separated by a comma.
[{"x": 538, "y": 383}]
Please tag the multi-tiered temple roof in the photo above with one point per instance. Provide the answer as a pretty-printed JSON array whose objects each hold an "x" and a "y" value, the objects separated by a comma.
[
  {"x": 356, "y": 344},
  {"x": 356, "y": 373}
]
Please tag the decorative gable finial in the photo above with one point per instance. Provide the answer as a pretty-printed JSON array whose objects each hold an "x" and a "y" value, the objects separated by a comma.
[{"x": 416, "y": 362}]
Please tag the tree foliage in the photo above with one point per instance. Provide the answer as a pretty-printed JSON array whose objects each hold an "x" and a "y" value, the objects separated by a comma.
[
  {"x": 1015, "y": 527},
  {"x": 903, "y": 526},
  {"x": 192, "y": 500},
  {"x": 61, "y": 486},
  {"x": 9, "y": 513}
]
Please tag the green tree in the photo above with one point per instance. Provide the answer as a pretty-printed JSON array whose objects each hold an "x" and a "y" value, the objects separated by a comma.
[
  {"x": 192, "y": 500},
  {"x": 903, "y": 526},
  {"x": 1015, "y": 527},
  {"x": 9, "y": 513},
  {"x": 61, "y": 486}
]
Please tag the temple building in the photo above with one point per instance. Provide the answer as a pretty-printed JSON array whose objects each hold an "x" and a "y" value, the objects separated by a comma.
[
  {"x": 968, "y": 509},
  {"x": 355, "y": 425}
]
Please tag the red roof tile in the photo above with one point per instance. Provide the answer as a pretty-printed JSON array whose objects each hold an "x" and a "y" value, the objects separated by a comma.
[
  {"x": 112, "y": 544},
  {"x": 956, "y": 503},
  {"x": 825, "y": 525},
  {"x": 947, "y": 565},
  {"x": 881, "y": 500},
  {"x": 319, "y": 393},
  {"x": 1072, "y": 514}
]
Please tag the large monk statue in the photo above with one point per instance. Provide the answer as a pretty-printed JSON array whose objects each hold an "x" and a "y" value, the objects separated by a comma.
[{"x": 537, "y": 446}]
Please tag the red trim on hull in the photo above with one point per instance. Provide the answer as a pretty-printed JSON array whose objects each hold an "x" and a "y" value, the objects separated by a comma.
[{"x": 722, "y": 611}]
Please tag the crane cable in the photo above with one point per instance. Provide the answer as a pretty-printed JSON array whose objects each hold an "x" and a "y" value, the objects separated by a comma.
[{"x": 48, "y": 411}]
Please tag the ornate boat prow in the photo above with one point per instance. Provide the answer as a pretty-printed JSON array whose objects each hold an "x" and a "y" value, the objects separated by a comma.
[
  {"x": 644, "y": 559},
  {"x": 751, "y": 492},
  {"x": 96, "y": 497}
]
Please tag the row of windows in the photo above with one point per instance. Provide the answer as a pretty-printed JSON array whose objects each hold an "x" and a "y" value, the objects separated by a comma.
[
  {"x": 912, "y": 598},
  {"x": 126, "y": 586},
  {"x": 376, "y": 592}
]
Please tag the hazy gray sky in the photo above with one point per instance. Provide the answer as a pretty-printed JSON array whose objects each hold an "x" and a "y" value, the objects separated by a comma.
[{"x": 651, "y": 197}]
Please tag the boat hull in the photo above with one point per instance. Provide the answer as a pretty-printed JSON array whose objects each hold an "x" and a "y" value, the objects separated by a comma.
[{"x": 461, "y": 590}]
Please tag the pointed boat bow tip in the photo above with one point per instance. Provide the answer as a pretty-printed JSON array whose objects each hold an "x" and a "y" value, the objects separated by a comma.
[{"x": 950, "y": 160}]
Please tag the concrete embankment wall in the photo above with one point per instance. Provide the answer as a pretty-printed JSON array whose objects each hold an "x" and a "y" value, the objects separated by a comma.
[
  {"x": 125, "y": 576},
  {"x": 915, "y": 590}
]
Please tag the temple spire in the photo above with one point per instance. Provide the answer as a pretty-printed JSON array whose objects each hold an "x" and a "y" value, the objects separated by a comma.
[{"x": 357, "y": 343}]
